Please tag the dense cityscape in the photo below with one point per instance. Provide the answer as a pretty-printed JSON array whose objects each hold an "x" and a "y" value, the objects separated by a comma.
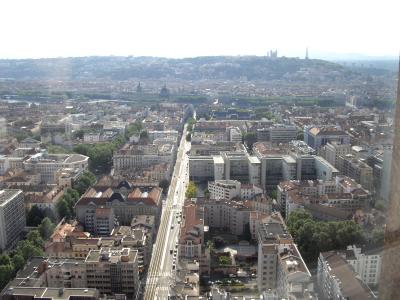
[{"x": 206, "y": 178}]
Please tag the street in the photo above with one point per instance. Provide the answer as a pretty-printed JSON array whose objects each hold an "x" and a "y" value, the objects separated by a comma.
[{"x": 161, "y": 272}]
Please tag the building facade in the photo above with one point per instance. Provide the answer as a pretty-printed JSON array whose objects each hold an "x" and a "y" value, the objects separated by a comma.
[{"x": 12, "y": 217}]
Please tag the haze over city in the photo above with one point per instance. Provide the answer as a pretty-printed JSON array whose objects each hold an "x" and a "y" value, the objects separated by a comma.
[
  {"x": 177, "y": 28},
  {"x": 202, "y": 150}
]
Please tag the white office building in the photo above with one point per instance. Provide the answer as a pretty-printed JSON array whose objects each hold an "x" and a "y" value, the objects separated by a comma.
[
  {"x": 12, "y": 217},
  {"x": 367, "y": 263}
]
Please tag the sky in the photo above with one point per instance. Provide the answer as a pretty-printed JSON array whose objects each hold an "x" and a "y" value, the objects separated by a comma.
[{"x": 187, "y": 28}]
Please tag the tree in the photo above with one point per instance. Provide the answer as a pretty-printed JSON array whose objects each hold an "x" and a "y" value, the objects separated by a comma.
[
  {"x": 28, "y": 249},
  {"x": 314, "y": 237},
  {"x": 34, "y": 216},
  {"x": 78, "y": 134},
  {"x": 300, "y": 136},
  {"x": 378, "y": 236},
  {"x": 73, "y": 193},
  {"x": 87, "y": 179},
  {"x": 250, "y": 138},
  {"x": 6, "y": 273},
  {"x": 35, "y": 238},
  {"x": 224, "y": 260},
  {"x": 191, "y": 191},
  {"x": 46, "y": 228},
  {"x": 191, "y": 122},
  {"x": 49, "y": 213},
  {"x": 133, "y": 128},
  {"x": 144, "y": 135},
  {"x": 4, "y": 259},
  {"x": 63, "y": 209},
  {"x": 18, "y": 261},
  {"x": 164, "y": 184}
]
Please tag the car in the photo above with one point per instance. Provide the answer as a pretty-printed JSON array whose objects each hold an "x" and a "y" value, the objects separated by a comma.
[
  {"x": 172, "y": 226},
  {"x": 173, "y": 267},
  {"x": 171, "y": 251}
]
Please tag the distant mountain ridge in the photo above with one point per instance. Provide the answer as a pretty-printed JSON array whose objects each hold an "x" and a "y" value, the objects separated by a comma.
[{"x": 196, "y": 68}]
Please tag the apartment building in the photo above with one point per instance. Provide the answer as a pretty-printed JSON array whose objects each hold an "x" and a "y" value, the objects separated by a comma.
[
  {"x": 160, "y": 134},
  {"x": 366, "y": 262},
  {"x": 337, "y": 279},
  {"x": 100, "y": 221},
  {"x": 66, "y": 273},
  {"x": 224, "y": 189},
  {"x": 110, "y": 271},
  {"x": 281, "y": 269},
  {"x": 357, "y": 169},
  {"x": 229, "y": 215},
  {"x": 70, "y": 241},
  {"x": 343, "y": 193},
  {"x": 229, "y": 189},
  {"x": 12, "y": 217},
  {"x": 307, "y": 188},
  {"x": 113, "y": 271},
  {"x": 332, "y": 150},
  {"x": 10, "y": 163},
  {"x": 137, "y": 239},
  {"x": 48, "y": 164}
]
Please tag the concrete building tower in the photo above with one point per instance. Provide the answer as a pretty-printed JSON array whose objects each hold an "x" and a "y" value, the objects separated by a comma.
[
  {"x": 390, "y": 274},
  {"x": 307, "y": 53}
]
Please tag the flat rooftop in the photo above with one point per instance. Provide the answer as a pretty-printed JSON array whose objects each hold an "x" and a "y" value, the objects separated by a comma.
[
  {"x": 112, "y": 255},
  {"x": 52, "y": 293}
]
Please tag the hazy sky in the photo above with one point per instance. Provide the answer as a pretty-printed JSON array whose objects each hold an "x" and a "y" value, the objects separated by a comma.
[{"x": 182, "y": 28}]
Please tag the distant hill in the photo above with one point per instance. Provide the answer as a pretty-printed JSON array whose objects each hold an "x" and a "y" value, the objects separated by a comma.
[{"x": 216, "y": 67}]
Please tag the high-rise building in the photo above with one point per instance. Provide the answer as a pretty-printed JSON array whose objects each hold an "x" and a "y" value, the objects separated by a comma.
[
  {"x": 281, "y": 269},
  {"x": 12, "y": 217}
]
